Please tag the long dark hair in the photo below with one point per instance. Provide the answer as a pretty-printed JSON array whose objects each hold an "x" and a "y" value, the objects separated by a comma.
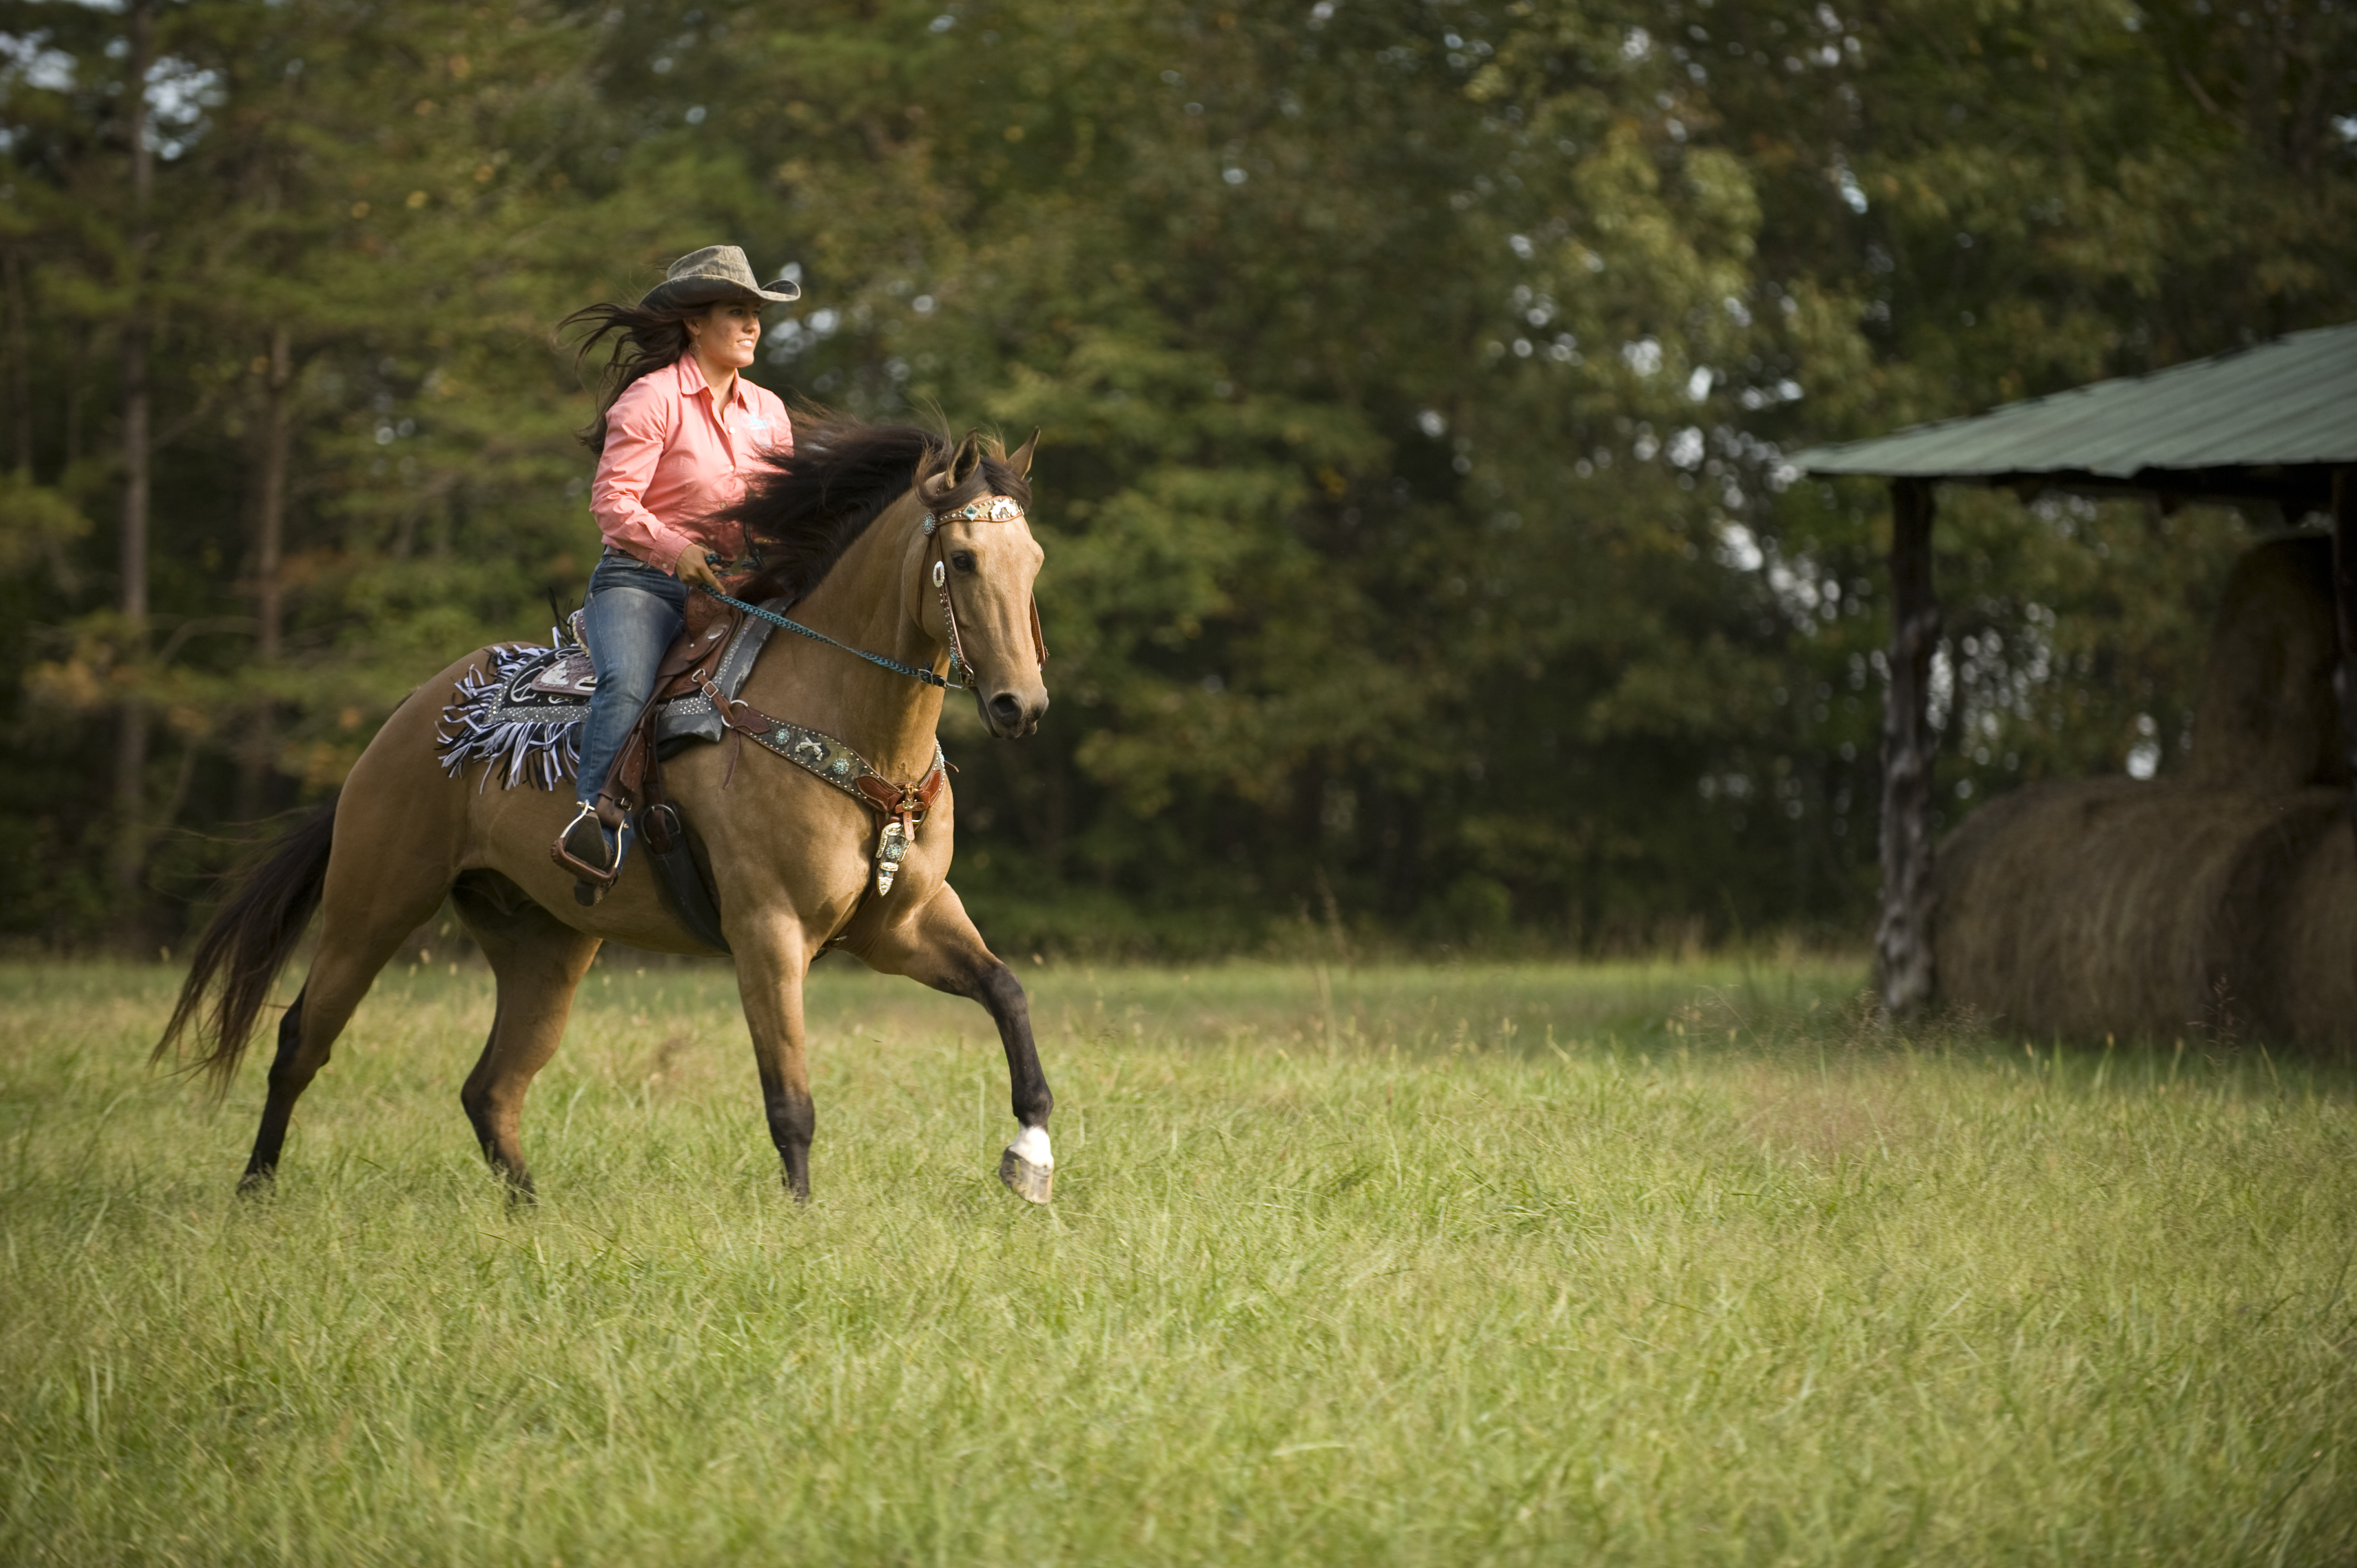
[{"x": 643, "y": 338}]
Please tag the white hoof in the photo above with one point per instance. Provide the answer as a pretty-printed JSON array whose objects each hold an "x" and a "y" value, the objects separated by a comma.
[{"x": 1028, "y": 1166}]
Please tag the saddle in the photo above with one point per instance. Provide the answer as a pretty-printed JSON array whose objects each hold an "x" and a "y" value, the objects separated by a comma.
[{"x": 682, "y": 712}]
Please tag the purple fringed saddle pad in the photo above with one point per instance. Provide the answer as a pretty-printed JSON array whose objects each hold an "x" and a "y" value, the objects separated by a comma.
[{"x": 522, "y": 712}]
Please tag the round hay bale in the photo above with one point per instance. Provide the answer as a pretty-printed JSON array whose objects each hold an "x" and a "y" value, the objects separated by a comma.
[
  {"x": 2268, "y": 718},
  {"x": 2143, "y": 910}
]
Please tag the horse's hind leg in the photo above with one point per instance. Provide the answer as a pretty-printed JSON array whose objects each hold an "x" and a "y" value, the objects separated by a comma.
[
  {"x": 361, "y": 932},
  {"x": 292, "y": 1068},
  {"x": 539, "y": 961},
  {"x": 937, "y": 944}
]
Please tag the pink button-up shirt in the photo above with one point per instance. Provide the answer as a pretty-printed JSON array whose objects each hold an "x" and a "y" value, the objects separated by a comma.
[{"x": 671, "y": 460}]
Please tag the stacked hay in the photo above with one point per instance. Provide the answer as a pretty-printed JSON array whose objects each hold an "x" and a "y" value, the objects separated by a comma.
[
  {"x": 2313, "y": 985},
  {"x": 2269, "y": 718},
  {"x": 2222, "y": 905}
]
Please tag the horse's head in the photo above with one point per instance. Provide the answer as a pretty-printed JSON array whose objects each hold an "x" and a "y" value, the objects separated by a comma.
[{"x": 979, "y": 562}]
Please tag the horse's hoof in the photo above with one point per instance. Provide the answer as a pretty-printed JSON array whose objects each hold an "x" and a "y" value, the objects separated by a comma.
[
  {"x": 257, "y": 1184},
  {"x": 1028, "y": 1166}
]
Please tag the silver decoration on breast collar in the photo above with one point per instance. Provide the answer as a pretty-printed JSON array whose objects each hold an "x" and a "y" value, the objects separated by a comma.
[{"x": 891, "y": 849}]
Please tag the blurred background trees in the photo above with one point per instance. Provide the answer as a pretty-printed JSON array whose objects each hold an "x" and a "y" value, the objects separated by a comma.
[{"x": 1416, "y": 378}]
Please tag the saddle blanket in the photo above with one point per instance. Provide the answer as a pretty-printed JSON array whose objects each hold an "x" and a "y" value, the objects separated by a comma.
[{"x": 523, "y": 714}]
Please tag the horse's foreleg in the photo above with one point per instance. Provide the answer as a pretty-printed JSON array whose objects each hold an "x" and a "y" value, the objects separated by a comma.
[
  {"x": 770, "y": 973},
  {"x": 938, "y": 944},
  {"x": 539, "y": 961}
]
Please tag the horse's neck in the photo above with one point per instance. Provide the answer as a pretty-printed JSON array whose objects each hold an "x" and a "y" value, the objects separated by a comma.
[{"x": 889, "y": 719}]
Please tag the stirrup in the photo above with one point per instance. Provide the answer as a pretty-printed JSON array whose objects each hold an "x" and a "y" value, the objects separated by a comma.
[{"x": 592, "y": 882}]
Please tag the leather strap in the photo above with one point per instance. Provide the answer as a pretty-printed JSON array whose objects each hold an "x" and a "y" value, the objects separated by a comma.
[
  {"x": 681, "y": 880},
  {"x": 940, "y": 575},
  {"x": 909, "y": 802}
]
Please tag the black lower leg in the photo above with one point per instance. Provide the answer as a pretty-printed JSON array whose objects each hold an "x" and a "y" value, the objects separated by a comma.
[
  {"x": 512, "y": 1172},
  {"x": 998, "y": 990},
  {"x": 480, "y": 1115},
  {"x": 794, "y": 1118},
  {"x": 287, "y": 1081}
]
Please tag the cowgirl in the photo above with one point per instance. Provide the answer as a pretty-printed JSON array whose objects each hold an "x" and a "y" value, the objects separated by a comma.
[{"x": 676, "y": 434}]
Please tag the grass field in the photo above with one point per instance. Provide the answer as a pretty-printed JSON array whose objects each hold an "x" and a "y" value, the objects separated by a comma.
[{"x": 1626, "y": 1264}]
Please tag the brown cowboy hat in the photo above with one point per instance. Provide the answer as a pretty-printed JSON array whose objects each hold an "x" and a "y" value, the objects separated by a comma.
[{"x": 713, "y": 274}]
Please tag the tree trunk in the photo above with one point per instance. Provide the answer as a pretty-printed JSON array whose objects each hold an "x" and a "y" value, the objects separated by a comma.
[
  {"x": 20, "y": 364},
  {"x": 1902, "y": 944},
  {"x": 269, "y": 550},
  {"x": 131, "y": 731},
  {"x": 2345, "y": 600}
]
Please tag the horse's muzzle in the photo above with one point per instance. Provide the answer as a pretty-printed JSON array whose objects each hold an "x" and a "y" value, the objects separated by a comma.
[{"x": 1008, "y": 715}]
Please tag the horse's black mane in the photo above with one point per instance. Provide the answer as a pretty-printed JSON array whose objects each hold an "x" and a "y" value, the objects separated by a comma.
[{"x": 802, "y": 512}]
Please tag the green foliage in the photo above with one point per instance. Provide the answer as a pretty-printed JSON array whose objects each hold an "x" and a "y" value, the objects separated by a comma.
[
  {"x": 1638, "y": 1264},
  {"x": 1416, "y": 376}
]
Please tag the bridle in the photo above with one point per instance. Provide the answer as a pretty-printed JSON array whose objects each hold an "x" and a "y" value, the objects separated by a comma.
[
  {"x": 992, "y": 509},
  {"x": 986, "y": 509}
]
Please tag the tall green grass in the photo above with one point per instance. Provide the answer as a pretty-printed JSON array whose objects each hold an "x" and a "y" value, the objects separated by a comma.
[{"x": 1643, "y": 1264}]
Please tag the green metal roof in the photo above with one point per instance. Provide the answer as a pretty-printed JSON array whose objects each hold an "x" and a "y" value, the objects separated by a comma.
[{"x": 2239, "y": 423}]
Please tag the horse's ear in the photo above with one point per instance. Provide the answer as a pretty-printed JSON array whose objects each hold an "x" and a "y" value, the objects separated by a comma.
[
  {"x": 1019, "y": 460},
  {"x": 941, "y": 479},
  {"x": 969, "y": 456}
]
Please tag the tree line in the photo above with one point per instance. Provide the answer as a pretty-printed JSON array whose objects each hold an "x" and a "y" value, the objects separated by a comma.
[{"x": 1417, "y": 379}]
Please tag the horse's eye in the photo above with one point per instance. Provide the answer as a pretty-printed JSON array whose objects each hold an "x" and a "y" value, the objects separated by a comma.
[{"x": 962, "y": 559}]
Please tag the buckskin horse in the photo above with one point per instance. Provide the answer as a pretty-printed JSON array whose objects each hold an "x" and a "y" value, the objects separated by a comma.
[{"x": 889, "y": 545}]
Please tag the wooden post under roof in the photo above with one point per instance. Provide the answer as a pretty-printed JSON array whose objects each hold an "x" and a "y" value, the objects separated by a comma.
[
  {"x": 1903, "y": 942},
  {"x": 2345, "y": 600}
]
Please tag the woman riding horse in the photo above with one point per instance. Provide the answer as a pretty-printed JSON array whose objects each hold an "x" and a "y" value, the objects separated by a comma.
[
  {"x": 678, "y": 431},
  {"x": 907, "y": 558}
]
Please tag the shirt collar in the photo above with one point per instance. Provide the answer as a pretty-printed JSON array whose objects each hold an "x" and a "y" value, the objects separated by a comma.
[{"x": 692, "y": 381}]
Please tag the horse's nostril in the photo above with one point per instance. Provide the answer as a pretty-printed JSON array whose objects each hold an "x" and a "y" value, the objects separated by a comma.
[{"x": 1006, "y": 710}]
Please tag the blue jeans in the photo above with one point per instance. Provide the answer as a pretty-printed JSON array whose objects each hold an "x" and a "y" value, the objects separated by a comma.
[{"x": 634, "y": 612}]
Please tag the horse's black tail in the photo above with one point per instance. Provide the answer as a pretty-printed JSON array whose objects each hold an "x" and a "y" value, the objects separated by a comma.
[{"x": 248, "y": 941}]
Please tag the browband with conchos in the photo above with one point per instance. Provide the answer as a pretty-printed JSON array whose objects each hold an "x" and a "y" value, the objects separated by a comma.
[{"x": 987, "y": 508}]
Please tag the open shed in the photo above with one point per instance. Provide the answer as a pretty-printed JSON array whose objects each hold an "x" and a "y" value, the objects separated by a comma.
[{"x": 2276, "y": 423}]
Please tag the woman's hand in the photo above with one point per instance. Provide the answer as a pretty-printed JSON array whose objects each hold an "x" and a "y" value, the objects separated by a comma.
[{"x": 697, "y": 572}]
